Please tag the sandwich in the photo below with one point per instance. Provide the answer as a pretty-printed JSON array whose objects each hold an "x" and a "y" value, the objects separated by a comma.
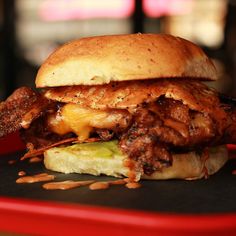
[{"x": 126, "y": 106}]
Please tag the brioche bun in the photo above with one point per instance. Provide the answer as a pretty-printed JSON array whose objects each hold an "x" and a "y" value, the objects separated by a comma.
[
  {"x": 188, "y": 166},
  {"x": 102, "y": 59}
]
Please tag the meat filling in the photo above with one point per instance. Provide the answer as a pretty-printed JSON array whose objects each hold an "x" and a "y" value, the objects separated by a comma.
[
  {"x": 161, "y": 126},
  {"x": 146, "y": 135},
  {"x": 147, "y": 132}
]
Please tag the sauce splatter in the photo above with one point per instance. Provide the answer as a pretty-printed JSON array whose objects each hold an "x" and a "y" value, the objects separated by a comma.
[
  {"x": 99, "y": 185},
  {"x": 130, "y": 183},
  {"x": 35, "y": 178},
  {"x": 128, "y": 163},
  {"x": 117, "y": 182},
  {"x": 69, "y": 184},
  {"x": 35, "y": 159},
  {"x": 205, "y": 156},
  {"x": 133, "y": 185},
  {"x": 65, "y": 185},
  {"x": 21, "y": 173}
]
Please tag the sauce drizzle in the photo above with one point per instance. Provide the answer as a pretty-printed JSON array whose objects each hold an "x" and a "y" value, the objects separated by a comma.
[
  {"x": 99, "y": 185},
  {"x": 21, "y": 173},
  {"x": 117, "y": 182},
  {"x": 64, "y": 185},
  {"x": 35, "y": 178},
  {"x": 205, "y": 157},
  {"x": 35, "y": 159},
  {"x": 133, "y": 185}
]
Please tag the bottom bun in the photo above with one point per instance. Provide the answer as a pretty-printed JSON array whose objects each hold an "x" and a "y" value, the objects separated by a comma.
[
  {"x": 106, "y": 158},
  {"x": 190, "y": 166}
]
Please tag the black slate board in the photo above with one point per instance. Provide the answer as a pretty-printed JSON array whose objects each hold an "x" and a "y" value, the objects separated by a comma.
[{"x": 214, "y": 195}]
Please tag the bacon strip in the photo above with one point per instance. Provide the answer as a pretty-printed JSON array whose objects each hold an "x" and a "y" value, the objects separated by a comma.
[
  {"x": 20, "y": 109},
  {"x": 40, "y": 151}
]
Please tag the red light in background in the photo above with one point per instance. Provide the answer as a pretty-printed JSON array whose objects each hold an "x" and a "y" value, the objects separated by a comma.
[
  {"x": 55, "y": 10},
  {"x": 157, "y": 8}
]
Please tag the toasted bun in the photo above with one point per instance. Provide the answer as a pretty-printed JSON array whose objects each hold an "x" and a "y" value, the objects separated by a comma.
[
  {"x": 188, "y": 166},
  {"x": 102, "y": 59}
]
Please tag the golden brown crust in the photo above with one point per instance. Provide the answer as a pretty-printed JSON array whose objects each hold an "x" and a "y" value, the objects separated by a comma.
[
  {"x": 128, "y": 95},
  {"x": 102, "y": 59}
]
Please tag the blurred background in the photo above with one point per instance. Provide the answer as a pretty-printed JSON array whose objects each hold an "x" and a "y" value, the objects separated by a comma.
[{"x": 31, "y": 29}]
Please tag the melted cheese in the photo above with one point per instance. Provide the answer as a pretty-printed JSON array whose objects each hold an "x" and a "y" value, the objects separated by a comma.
[{"x": 82, "y": 121}]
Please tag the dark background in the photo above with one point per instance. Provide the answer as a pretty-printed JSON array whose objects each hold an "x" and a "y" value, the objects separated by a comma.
[{"x": 31, "y": 29}]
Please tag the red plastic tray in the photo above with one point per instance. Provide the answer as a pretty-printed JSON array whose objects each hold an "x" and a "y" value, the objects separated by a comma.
[{"x": 48, "y": 218}]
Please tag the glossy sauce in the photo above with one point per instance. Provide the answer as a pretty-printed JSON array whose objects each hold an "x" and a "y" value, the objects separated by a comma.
[
  {"x": 117, "y": 182},
  {"x": 128, "y": 163},
  {"x": 132, "y": 176},
  {"x": 21, "y": 173},
  {"x": 99, "y": 185},
  {"x": 35, "y": 159},
  {"x": 133, "y": 185},
  {"x": 65, "y": 185},
  {"x": 205, "y": 156},
  {"x": 35, "y": 178},
  {"x": 106, "y": 185}
]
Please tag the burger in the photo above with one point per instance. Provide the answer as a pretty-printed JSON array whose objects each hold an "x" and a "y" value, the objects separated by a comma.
[{"x": 125, "y": 105}]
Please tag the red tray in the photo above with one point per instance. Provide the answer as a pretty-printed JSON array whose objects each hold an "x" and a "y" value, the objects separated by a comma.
[
  {"x": 22, "y": 215},
  {"x": 48, "y": 218}
]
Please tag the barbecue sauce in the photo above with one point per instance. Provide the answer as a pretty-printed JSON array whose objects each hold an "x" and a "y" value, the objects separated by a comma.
[
  {"x": 35, "y": 159},
  {"x": 21, "y": 173},
  {"x": 35, "y": 178},
  {"x": 205, "y": 156},
  {"x": 64, "y": 185}
]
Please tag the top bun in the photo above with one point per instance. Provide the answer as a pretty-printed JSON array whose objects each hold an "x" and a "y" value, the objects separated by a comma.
[{"x": 102, "y": 59}]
